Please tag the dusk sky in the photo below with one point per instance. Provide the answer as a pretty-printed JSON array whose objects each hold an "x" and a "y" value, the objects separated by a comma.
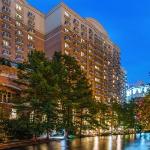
[{"x": 127, "y": 23}]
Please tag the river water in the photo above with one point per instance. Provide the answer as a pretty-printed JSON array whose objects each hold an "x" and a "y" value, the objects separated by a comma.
[{"x": 128, "y": 142}]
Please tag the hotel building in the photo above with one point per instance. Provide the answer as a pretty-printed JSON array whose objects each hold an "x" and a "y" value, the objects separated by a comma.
[{"x": 23, "y": 29}]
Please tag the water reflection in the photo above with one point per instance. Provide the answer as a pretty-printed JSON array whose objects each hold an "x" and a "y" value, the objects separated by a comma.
[{"x": 128, "y": 142}]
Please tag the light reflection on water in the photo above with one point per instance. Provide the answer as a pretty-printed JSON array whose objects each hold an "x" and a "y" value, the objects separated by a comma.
[{"x": 128, "y": 142}]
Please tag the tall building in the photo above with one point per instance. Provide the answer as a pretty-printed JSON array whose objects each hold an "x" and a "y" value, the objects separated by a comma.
[
  {"x": 24, "y": 29},
  {"x": 137, "y": 91}
]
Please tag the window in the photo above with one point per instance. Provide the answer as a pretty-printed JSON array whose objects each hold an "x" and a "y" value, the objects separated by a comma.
[
  {"x": 97, "y": 98},
  {"x": 19, "y": 48},
  {"x": 6, "y": 34},
  {"x": 30, "y": 37},
  {"x": 6, "y": 26},
  {"x": 13, "y": 114},
  {"x": 19, "y": 56},
  {"x": 18, "y": 23},
  {"x": 18, "y": 7},
  {"x": 5, "y": 97},
  {"x": 90, "y": 51},
  {"x": 18, "y": 16},
  {"x": 6, "y": 17},
  {"x": 67, "y": 14},
  {"x": 19, "y": 32},
  {"x": 6, "y": 43},
  {"x": 30, "y": 14},
  {"x": 6, "y": 9},
  {"x": 97, "y": 80},
  {"x": 5, "y": 52},
  {"x": 19, "y": 41},
  {"x": 82, "y": 67},
  {"x": 66, "y": 30},
  {"x": 7, "y": 2},
  {"x": 66, "y": 45},
  {"x": 82, "y": 40},
  {"x": 66, "y": 52},
  {"x": 96, "y": 67},
  {"x": 82, "y": 54}
]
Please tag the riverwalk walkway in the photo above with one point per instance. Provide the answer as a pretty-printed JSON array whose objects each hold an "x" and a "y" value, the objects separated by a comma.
[{"x": 23, "y": 143}]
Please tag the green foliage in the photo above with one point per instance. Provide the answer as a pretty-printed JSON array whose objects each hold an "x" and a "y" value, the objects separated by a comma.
[{"x": 143, "y": 115}]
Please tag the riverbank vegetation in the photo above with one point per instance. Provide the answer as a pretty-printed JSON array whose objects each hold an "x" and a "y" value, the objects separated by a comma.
[{"x": 56, "y": 95}]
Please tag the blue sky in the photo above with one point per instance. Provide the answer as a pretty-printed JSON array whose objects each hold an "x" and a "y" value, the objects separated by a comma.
[{"x": 128, "y": 25}]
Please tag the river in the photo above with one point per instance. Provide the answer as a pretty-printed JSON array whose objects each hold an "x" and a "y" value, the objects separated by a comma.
[{"x": 119, "y": 142}]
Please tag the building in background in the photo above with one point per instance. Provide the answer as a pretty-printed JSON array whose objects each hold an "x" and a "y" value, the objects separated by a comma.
[
  {"x": 23, "y": 29},
  {"x": 89, "y": 43},
  {"x": 136, "y": 91}
]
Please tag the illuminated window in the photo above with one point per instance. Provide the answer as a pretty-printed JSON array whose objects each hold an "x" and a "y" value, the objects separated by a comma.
[
  {"x": 82, "y": 54},
  {"x": 5, "y": 43},
  {"x": 13, "y": 114},
  {"x": 66, "y": 52},
  {"x": 18, "y": 7},
  {"x": 67, "y": 14},
  {"x": 82, "y": 67},
  {"x": 30, "y": 37},
  {"x": 19, "y": 32},
  {"x": 18, "y": 16},
  {"x": 66, "y": 30},
  {"x": 66, "y": 45},
  {"x": 96, "y": 67},
  {"x": 90, "y": 51},
  {"x": 97, "y": 98},
  {"x": 18, "y": 23},
  {"x": 82, "y": 40},
  {"x": 97, "y": 80}
]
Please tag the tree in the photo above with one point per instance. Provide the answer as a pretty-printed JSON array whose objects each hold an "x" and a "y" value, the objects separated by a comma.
[
  {"x": 75, "y": 96},
  {"x": 38, "y": 98},
  {"x": 143, "y": 116}
]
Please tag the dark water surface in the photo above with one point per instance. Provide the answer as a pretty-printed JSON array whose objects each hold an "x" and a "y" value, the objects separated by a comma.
[{"x": 128, "y": 142}]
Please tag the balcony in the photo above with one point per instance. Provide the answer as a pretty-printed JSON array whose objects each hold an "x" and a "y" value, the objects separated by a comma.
[
  {"x": 67, "y": 23},
  {"x": 19, "y": 59},
  {"x": 31, "y": 31},
  {"x": 31, "y": 23},
  {"x": 6, "y": 10},
  {"x": 67, "y": 39},
  {"x": 6, "y": 52},
  {"x": 5, "y": 44},
  {"x": 31, "y": 15},
  {"x": 19, "y": 17},
  {"x": 6, "y": 2},
  {"x": 31, "y": 47},
  {"x": 76, "y": 22},
  {"x": 76, "y": 29},
  {"x": 6, "y": 26},
  {"x": 19, "y": 42},
  {"x": 6, "y": 35},
  {"x": 84, "y": 35},
  {"x": 19, "y": 33},
  {"x": 83, "y": 28},
  {"x": 19, "y": 49},
  {"x": 5, "y": 17}
]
